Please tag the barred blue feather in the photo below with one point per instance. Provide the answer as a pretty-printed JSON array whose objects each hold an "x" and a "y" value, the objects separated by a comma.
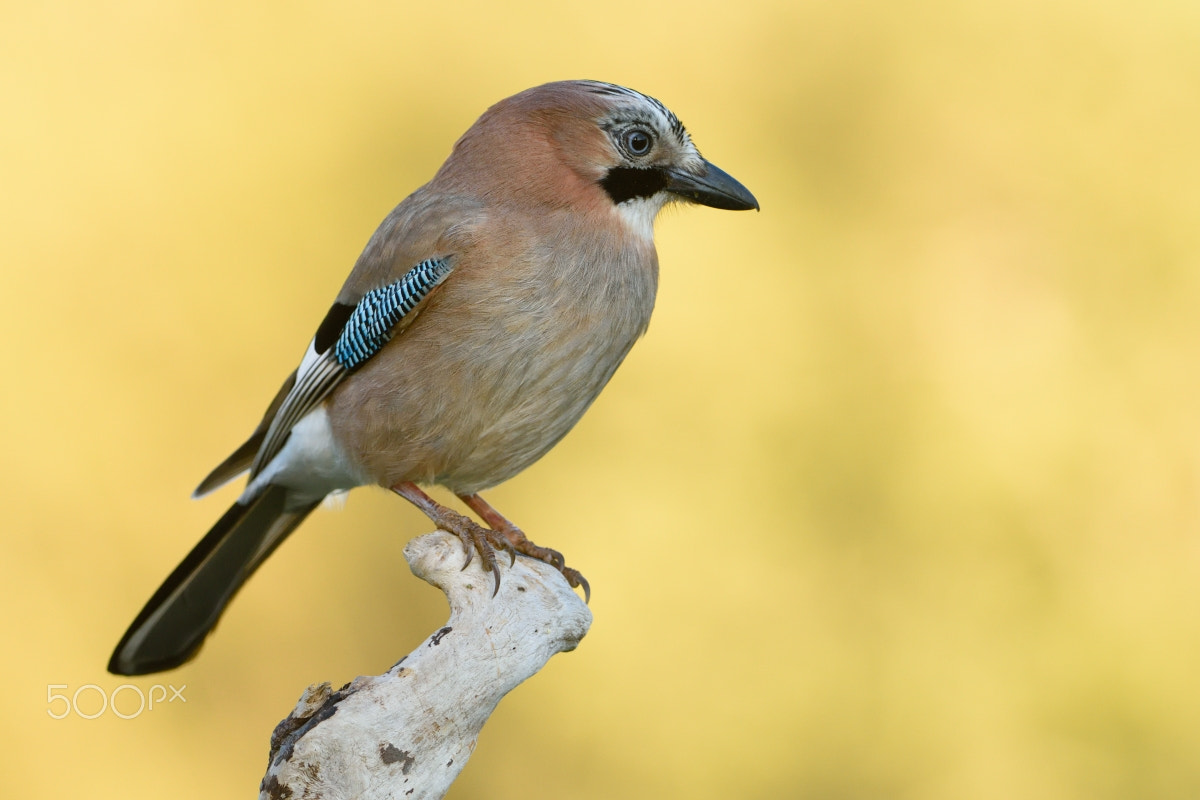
[{"x": 370, "y": 325}]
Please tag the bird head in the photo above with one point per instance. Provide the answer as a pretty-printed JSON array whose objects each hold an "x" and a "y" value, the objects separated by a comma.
[{"x": 587, "y": 144}]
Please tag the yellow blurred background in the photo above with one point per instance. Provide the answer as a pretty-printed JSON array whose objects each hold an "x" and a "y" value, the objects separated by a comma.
[{"x": 899, "y": 498}]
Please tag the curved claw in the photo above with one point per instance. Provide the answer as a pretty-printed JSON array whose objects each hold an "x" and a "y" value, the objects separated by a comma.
[
  {"x": 488, "y": 554},
  {"x": 512, "y": 551},
  {"x": 469, "y": 547},
  {"x": 556, "y": 559},
  {"x": 575, "y": 579}
]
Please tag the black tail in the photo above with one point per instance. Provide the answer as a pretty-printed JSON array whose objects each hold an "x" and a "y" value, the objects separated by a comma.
[{"x": 185, "y": 608}]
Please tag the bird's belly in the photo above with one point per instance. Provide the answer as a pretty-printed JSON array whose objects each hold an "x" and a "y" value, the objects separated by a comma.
[
  {"x": 493, "y": 373},
  {"x": 538, "y": 406},
  {"x": 478, "y": 403}
]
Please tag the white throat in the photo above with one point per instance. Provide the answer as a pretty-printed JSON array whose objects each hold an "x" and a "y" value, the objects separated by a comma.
[{"x": 638, "y": 214}]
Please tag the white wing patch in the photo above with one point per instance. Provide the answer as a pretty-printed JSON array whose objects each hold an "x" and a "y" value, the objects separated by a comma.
[
  {"x": 311, "y": 464},
  {"x": 315, "y": 379}
]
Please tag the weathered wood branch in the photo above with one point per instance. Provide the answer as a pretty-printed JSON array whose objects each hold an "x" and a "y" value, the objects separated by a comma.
[{"x": 407, "y": 734}]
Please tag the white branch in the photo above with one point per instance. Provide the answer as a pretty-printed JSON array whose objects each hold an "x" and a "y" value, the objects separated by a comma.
[{"x": 407, "y": 734}]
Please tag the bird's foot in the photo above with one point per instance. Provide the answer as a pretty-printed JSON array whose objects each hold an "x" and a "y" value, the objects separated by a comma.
[
  {"x": 518, "y": 542},
  {"x": 501, "y": 535},
  {"x": 477, "y": 539},
  {"x": 474, "y": 537}
]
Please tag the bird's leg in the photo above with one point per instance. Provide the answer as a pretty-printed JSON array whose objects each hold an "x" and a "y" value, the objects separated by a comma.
[
  {"x": 473, "y": 536},
  {"x": 519, "y": 543}
]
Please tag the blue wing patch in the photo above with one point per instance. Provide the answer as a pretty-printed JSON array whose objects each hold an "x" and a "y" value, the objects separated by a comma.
[
  {"x": 366, "y": 330},
  {"x": 371, "y": 323}
]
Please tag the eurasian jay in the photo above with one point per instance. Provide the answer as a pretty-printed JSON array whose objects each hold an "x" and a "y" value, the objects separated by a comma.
[{"x": 484, "y": 316}]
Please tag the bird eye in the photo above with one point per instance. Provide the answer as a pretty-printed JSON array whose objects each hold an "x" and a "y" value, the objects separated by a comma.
[{"x": 637, "y": 141}]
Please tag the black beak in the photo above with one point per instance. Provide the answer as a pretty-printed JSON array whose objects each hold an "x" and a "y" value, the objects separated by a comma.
[{"x": 713, "y": 187}]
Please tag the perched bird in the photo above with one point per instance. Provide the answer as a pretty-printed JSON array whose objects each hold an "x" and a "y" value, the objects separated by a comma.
[{"x": 484, "y": 316}]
